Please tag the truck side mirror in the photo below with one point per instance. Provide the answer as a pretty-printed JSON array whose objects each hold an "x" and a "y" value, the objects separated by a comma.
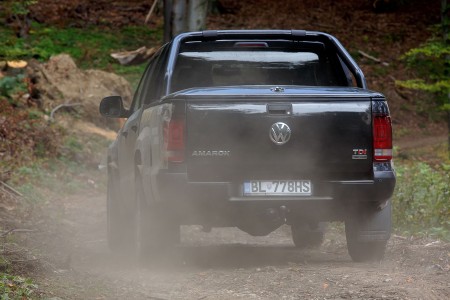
[{"x": 112, "y": 107}]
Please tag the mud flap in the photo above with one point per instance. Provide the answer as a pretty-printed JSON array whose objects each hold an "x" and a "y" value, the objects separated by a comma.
[{"x": 374, "y": 226}]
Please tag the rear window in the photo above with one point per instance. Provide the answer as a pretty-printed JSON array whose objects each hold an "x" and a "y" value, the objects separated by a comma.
[{"x": 258, "y": 66}]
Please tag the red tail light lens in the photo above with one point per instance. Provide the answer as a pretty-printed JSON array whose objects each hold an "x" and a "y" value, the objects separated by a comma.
[
  {"x": 174, "y": 140},
  {"x": 382, "y": 138}
]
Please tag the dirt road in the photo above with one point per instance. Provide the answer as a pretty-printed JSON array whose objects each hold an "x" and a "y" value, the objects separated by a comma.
[{"x": 226, "y": 264}]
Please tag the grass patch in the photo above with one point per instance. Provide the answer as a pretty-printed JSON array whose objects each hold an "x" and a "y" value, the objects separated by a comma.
[
  {"x": 421, "y": 199},
  {"x": 69, "y": 173},
  {"x": 131, "y": 73},
  {"x": 58, "y": 176},
  {"x": 73, "y": 167},
  {"x": 90, "y": 47}
]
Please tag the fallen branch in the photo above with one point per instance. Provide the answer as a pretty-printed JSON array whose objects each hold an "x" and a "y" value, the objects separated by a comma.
[
  {"x": 61, "y": 106},
  {"x": 10, "y": 189},
  {"x": 433, "y": 243},
  {"x": 147, "y": 18},
  {"x": 399, "y": 237},
  {"x": 135, "y": 57},
  {"x": 373, "y": 58}
]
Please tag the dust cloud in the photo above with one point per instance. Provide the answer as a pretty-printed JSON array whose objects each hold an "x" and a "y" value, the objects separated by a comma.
[{"x": 225, "y": 263}]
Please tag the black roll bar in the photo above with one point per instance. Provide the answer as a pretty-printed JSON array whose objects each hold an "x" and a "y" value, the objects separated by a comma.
[{"x": 294, "y": 35}]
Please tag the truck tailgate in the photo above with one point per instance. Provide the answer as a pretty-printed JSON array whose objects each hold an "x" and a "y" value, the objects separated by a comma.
[{"x": 231, "y": 141}]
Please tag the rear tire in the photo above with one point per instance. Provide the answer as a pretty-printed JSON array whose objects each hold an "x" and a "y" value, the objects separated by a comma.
[
  {"x": 365, "y": 251},
  {"x": 156, "y": 231},
  {"x": 305, "y": 237},
  {"x": 119, "y": 227},
  {"x": 367, "y": 234}
]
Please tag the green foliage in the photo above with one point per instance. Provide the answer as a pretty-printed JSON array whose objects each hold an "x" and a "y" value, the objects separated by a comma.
[
  {"x": 10, "y": 85},
  {"x": 440, "y": 86},
  {"x": 430, "y": 60},
  {"x": 431, "y": 63},
  {"x": 422, "y": 199},
  {"x": 7, "y": 85},
  {"x": 432, "y": 49},
  {"x": 16, "y": 287}
]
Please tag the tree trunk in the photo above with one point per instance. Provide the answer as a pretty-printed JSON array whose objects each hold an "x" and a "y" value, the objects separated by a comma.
[
  {"x": 445, "y": 19},
  {"x": 167, "y": 20},
  {"x": 179, "y": 19},
  {"x": 183, "y": 15},
  {"x": 197, "y": 14}
]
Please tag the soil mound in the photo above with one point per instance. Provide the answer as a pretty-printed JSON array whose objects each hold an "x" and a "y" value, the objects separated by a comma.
[{"x": 60, "y": 81}]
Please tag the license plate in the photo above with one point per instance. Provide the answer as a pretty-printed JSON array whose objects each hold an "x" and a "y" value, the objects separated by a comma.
[{"x": 278, "y": 188}]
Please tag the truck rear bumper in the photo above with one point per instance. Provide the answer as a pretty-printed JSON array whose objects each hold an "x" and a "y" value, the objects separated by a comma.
[{"x": 176, "y": 188}]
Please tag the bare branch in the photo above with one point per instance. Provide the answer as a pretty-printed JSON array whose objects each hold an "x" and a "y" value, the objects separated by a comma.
[
  {"x": 61, "y": 106},
  {"x": 373, "y": 58},
  {"x": 147, "y": 18},
  {"x": 10, "y": 189}
]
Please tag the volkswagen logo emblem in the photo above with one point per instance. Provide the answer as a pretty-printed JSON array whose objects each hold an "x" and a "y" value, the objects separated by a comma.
[{"x": 280, "y": 133}]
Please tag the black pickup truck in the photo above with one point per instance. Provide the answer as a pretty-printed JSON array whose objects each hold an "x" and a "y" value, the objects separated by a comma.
[{"x": 252, "y": 129}]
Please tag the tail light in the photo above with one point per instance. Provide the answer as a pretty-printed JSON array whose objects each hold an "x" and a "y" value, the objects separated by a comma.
[
  {"x": 174, "y": 140},
  {"x": 382, "y": 138}
]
